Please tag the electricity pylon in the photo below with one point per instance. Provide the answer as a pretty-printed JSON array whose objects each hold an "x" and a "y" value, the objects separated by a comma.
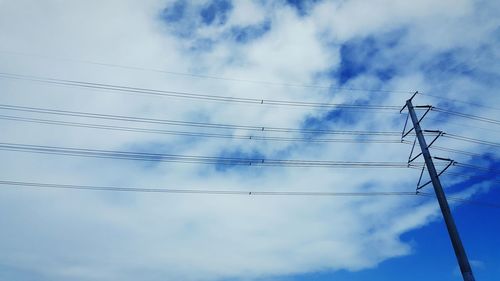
[{"x": 463, "y": 261}]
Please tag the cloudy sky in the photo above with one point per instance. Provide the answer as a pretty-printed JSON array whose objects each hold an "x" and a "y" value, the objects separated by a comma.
[{"x": 186, "y": 78}]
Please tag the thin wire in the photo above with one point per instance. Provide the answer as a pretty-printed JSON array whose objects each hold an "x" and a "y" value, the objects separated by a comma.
[
  {"x": 459, "y": 101},
  {"x": 236, "y": 192},
  {"x": 214, "y": 77},
  {"x": 472, "y": 140},
  {"x": 194, "y": 134},
  {"x": 461, "y": 124},
  {"x": 201, "y": 191},
  {"x": 435, "y": 147},
  {"x": 460, "y": 138},
  {"x": 468, "y": 177},
  {"x": 461, "y": 175},
  {"x": 189, "y": 123},
  {"x": 468, "y": 116},
  {"x": 441, "y": 148},
  {"x": 188, "y": 95},
  {"x": 459, "y": 164},
  {"x": 469, "y": 166},
  {"x": 462, "y": 200},
  {"x": 176, "y": 158}
]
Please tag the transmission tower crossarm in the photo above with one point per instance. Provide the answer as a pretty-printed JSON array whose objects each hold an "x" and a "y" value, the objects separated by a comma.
[{"x": 458, "y": 247}]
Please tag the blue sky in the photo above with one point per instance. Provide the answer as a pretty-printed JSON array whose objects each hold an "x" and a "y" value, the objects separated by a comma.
[{"x": 338, "y": 52}]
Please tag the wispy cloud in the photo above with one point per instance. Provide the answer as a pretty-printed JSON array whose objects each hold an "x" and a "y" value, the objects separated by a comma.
[{"x": 445, "y": 49}]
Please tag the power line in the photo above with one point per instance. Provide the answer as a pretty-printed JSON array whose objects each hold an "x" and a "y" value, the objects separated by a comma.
[
  {"x": 272, "y": 83},
  {"x": 462, "y": 200},
  {"x": 202, "y": 191},
  {"x": 459, "y": 101},
  {"x": 235, "y": 192},
  {"x": 196, "y": 159},
  {"x": 468, "y": 116},
  {"x": 213, "y": 77},
  {"x": 210, "y": 126},
  {"x": 435, "y": 147},
  {"x": 446, "y": 149},
  {"x": 469, "y": 177},
  {"x": 472, "y": 140},
  {"x": 461, "y": 124},
  {"x": 460, "y": 138},
  {"x": 461, "y": 165},
  {"x": 196, "y": 134},
  {"x": 189, "y": 123},
  {"x": 188, "y": 95},
  {"x": 461, "y": 175},
  {"x": 469, "y": 166}
]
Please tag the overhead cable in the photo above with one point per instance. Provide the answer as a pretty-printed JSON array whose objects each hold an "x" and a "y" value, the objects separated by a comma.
[
  {"x": 447, "y": 149},
  {"x": 472, "y": 140},
  {"x": 458, "y": 101},
  {"x": 470, "y": 166},
  {"x": 198, "y": 134},
  {"x": 196, "y": 159},
  {"x": 202, "y": 191},
  {"x": 207, "y": 76},
  {"x": 468, "y": 116},
  {"x": 234, "y": 192},
  {"x": 462, "y": 200},
  {"x": 190, "y": 123},
  {"x": 188, "y": 95},
  {"x": 471, "y": 177}
]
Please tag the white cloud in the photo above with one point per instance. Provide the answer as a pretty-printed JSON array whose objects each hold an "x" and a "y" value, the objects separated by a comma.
[
  {"x": 247, "y": 12},
  {"x": 59, "y": 235}
]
